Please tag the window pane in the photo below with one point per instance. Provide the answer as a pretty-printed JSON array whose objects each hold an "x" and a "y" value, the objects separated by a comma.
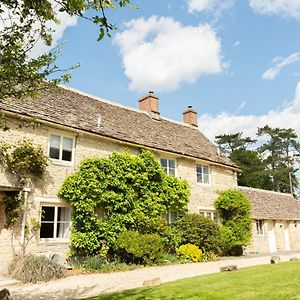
[
  {"x": 172, "y": 164},
  {"x": 206, "y": 178},
  {"x": 54, "y": 153},
  {"x": 199, "y": 178},
  {"x": 47, "y": 230},
  {"x": 172, "y": 172},
  {"x": 173, "y": 216},
  {"x": 67, "y": 155},
  {"x": 67, "y": 144},
  {"x": 205, "y": 170},
  {"x": 164, "y": 162},
  {"x": 63, "y": 222},
  {"x": 199, "y": 169},
  {"x": 47, "y": 213},
  {"x": 54, "y": 141}
]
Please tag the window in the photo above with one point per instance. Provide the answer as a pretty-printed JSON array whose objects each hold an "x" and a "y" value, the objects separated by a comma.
[
  {"x": 55, "y": 222},
  {"x": 210, "y": 214},
  {"x": 260, "y": 227},
  {"x": 61, "y": 148},
  {"x": 202, "y": 174},
  {"x": 169, "y": 166},
  {"x": 171, "y": 216}
]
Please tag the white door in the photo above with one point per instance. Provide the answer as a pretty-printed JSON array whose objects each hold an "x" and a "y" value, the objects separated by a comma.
[{"x": 271, "y": 235}]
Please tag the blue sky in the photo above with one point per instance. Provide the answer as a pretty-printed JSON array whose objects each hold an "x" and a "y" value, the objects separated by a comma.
[{"x": 236, "y": 62}]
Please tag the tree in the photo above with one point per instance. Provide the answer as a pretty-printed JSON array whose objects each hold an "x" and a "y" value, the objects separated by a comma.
[
  {"x": 281, "y": 151},
  {"x": 127, "y": 192},
  {"x": 234, "y": 209},
  {"x": 252, "y": 167},
  {"x": 24, "y": 22}
]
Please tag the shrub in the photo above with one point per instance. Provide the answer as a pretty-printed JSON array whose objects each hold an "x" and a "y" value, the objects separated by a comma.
[
  {"x": 209, "y": 256},
  {"x": 140, "y": 248},
  {"x": 200, "y": 231},
  {"x": 133, "y": 190},
  {"x": 234, "y": 209},
  {"x": 30, "y": 268},
  {"x": 190, "y": 252}
]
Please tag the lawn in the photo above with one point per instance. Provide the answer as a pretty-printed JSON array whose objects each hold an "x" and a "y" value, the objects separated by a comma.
[{"x": 281, "y": 281}]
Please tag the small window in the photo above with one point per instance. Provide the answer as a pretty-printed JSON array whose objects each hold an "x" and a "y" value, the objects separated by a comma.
[
  {"x": 55, "y": 222},
  {"x": 61, "y": 148},
  {"x": 202, "y": 174},
  {"x": 171, "y": 216},
  {"x": 210, "y": 214},
  {"x": 169, "y": 166},
  {"x": 260, "y": 227}
]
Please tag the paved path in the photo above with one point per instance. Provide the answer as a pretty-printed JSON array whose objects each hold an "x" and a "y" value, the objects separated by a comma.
[{"x": 83, "y": 286}]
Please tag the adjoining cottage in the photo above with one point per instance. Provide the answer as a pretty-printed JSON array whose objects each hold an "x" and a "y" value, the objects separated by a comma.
[
  {"x": 74, "y": 126},
  {"x": 276, "y": 221}
]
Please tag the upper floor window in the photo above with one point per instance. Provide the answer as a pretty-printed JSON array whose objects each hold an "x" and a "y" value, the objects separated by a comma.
[
  {"x": 61, "y": 147},
  {"x": 169, "y": 165},
  {"x": 202, "y": 174},
  {"x": 55, "y": 222},
  {"x": 259, "y": 227}
]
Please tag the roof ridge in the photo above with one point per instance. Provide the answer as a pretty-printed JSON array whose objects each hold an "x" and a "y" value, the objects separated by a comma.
[
  {"x": 265, "y": 191},
  {"x": 123, "y": 106}
]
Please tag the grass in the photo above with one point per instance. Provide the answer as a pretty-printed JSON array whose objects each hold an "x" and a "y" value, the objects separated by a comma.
[{"x": 280, "y": 281}]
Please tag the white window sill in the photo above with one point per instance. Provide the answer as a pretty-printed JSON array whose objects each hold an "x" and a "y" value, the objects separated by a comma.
[
  {"x": 54, "y": 240},
  {"x": 204, "y": 184},
  {"x": 57, "y": 162}
]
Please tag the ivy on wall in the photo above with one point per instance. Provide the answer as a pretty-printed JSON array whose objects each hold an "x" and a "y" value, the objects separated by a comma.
[
  {"x": 234, "y": 209},
  {"x": 25, "y": 161},
  {"x": 130, "y": 192}
]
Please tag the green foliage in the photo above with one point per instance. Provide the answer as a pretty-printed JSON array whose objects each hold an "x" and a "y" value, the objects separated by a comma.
[
  {"x": 190, "y": 252},
  {"x": 140, "y": 248},
  {"x": 200, "y": 231},
  {"x": 13, "y": 202},
  {"x": 25, "y": 161},
  {"x": 133, "y": 191},
  {"x": 27, "y": 22},
  {"x": 234, "y": 209},
  {"x": 30, "y": 268}
]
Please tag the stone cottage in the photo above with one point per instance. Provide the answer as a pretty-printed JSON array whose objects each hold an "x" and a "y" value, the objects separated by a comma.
[{"x": 73, "y": 125}]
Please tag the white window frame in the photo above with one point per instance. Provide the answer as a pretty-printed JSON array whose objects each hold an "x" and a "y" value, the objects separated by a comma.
[
  {"x": 167, "y": 170},
  {"x": 209, "y": 177},
  {"x": 168, "y": 218},
  {"x": 211, "y": 214},
  {"x": 55, "y": 221},
  {"x": 62, "y": 136},
  {"x": 259, "y": 226}
]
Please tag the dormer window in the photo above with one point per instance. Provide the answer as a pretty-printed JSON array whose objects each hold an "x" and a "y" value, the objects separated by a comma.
[
  {"x": 61, "y": 148},
  {"x": 169, "y": 166}
]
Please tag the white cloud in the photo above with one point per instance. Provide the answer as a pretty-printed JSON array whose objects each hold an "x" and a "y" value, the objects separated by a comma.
[
  {"x": 161, "y": 54},
  {"x": 217, "y": 7},
  {"x": 226, "y": 123},
  {"x": 287, "y": 8},
  {"x": 65, "y": 21},
  {"x": 279, "y": 63}
]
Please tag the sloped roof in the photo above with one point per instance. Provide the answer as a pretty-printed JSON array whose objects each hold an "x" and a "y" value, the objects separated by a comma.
[
  {"x": 272, "y": 205},
  {"x": 81, "y": 111}
]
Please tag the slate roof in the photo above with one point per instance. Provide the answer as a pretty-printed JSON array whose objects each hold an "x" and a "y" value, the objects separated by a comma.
[
  {"x": 81, "y": 111},
  {"x": 272, "y": 205}
]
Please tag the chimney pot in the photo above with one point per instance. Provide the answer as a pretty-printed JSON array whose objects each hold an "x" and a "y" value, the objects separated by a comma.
[{"x": 190, "y": 116}]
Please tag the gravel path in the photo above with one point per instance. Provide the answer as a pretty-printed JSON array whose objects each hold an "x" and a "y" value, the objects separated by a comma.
[{"x": 83, "y": 286}]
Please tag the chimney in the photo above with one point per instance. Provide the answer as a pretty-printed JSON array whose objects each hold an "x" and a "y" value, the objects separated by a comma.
[
  {"x": 190, "y": 116},
  {"x": 149, "y": 103}
]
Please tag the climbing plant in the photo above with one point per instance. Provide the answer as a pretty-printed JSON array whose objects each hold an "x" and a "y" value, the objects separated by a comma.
[
  {"x": 235, "y": 211},
  {"x": 25, "y": 161},
  {"x": 126, "y": 192}
]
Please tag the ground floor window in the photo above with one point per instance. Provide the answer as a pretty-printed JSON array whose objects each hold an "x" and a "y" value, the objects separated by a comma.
[
  {"x": 259, "y": 227},
  {"x": 55, "y": 222},
  {"x": 171, "y": 216},
  {"x": 210, "y": 214}
]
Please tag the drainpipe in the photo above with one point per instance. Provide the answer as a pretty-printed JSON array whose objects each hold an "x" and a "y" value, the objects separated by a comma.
[{"x": 24, "y": 219}]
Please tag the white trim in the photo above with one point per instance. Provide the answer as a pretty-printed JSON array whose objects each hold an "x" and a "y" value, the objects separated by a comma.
[{"x": 168, "y": 159}]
